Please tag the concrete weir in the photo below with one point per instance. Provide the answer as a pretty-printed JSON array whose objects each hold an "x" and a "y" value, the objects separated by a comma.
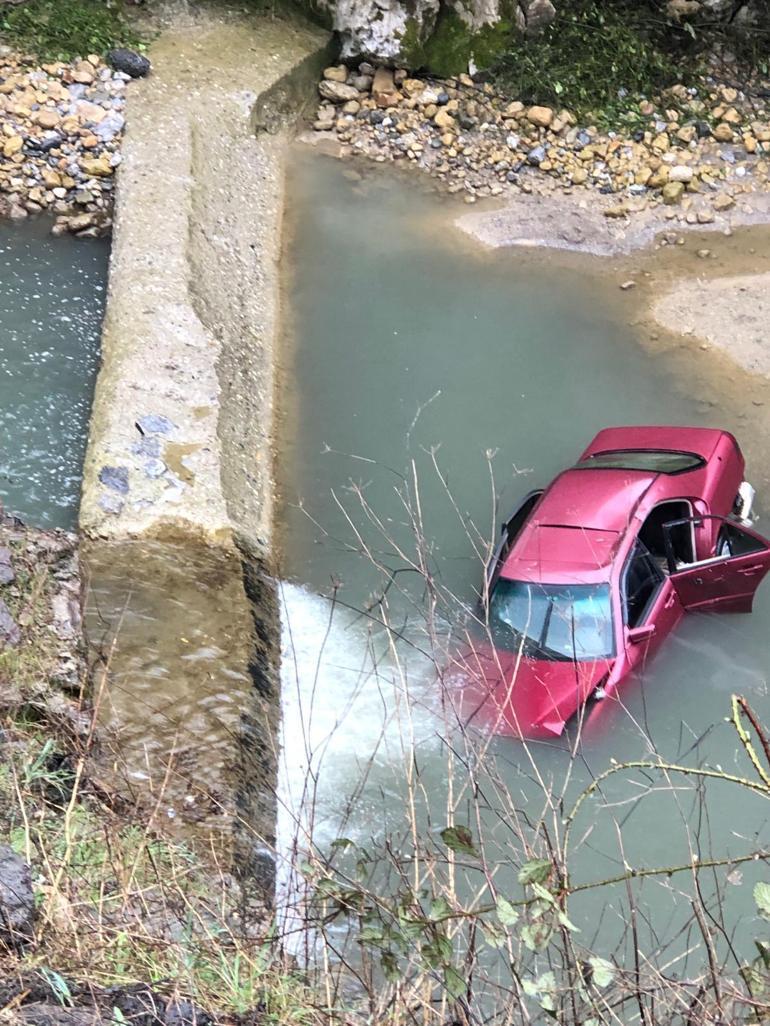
[{"x": 178, "y": 479}]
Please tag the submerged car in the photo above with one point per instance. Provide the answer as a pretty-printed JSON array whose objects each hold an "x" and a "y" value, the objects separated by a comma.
[{"x": 594, "y": 572}]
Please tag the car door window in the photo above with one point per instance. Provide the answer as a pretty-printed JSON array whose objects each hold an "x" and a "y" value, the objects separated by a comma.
[
  {"x": 733, "y": 541},
  {"x": 641, "y": 581}
]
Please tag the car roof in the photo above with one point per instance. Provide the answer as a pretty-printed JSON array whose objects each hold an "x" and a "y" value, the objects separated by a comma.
[
  {"x": 701, "y": 441},
  {"x": 578, "y": 526}
]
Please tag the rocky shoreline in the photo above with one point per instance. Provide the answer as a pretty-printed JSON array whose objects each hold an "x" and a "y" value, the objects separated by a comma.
[
  {"x": 693, "y": 151},
  {"x": 61, "y": 125}
]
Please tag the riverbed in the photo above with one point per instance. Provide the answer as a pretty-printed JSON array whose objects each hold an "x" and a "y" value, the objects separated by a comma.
[{"x": 429, "y": 384}]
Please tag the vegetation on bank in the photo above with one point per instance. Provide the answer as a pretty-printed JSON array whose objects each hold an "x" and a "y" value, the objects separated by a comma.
[
  {"x": 600, "y": 57},
  {"x": 62, "y": 31},
  {"x": 127, "y": 917},
  {"x": 595, "y": 56}
]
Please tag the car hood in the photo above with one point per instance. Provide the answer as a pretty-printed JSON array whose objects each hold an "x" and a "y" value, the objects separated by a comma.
[{"x": 510, "y": 694}]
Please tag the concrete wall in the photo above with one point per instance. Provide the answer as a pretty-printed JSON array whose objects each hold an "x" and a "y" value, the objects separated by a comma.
[{"x": 180, "y": 453}]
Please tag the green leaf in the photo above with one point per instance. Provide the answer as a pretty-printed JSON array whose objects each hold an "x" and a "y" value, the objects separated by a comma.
[
  {"x": 546, "y": 985},
  {"x": 536, "y": 936},
  {"x": 494, "y": 937},
  {"x": 602, "y": 971},
  {"x": 535, "y": 871},
  {"x": 566, "y": 922},
  {"x": 371, "y": 935},
  {"x": 389, "y": 964},
  {"x": 459, "y": 839},
  {"x": 506, "y": 913},
  {"x": 439, "y": 909},
  {"x": 762, "y": 897},
  {"x": 454, "y": 982},
  {"x": 543, "y": 893},
  {"x": 327, "y": 888},
  {"x": 341, "y": 843},
  {"x": 437, "y": 952}
]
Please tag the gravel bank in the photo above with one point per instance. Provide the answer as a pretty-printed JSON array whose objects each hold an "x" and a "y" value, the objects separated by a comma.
[{"x": 61, "y": 126}]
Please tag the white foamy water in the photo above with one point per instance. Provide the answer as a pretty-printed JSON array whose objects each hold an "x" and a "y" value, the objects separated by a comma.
[{"x": 355, "y": 708}]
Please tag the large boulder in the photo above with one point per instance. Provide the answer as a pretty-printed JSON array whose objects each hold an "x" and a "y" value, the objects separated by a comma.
[
  {"x": 446, "y": 37},
  {"x": 17, "y": 899}
]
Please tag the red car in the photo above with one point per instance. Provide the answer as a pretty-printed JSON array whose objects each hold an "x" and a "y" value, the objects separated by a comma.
[{"x": 593, "y": 573}]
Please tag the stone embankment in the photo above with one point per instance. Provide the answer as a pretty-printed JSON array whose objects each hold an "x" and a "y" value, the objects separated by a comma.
[
  {"x": 696, "y": 150},
  {"x": 60, "y": 131}
]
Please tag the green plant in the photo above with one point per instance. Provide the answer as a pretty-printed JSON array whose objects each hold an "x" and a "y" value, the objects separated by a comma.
[
  {"x": 597, "y": 57},
  {"x": 56, "y": 30}
]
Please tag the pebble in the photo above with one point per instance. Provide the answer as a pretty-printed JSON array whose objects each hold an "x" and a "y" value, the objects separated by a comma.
[
  {"x": 476, "y": 141},
  {"x": 61, "y": 126}
]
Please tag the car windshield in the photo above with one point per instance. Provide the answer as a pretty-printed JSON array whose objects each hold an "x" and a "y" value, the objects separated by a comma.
[
  {"x": 657, "y": 460},
  {"x": 552, "y": 621}
]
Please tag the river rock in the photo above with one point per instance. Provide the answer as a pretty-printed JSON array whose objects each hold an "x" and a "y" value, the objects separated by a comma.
[
  {"x": 10, "y": 635},
  {"x": 723, "y": 132},
  {"x": 540, "y": 116},
  {"x": 47, "y": 118},
  {"x": 681, "y": 173},
  {"x": 337, "y": 92},
  {"x": 131, "y": 63},
  {"x": 337, "y": 73},
  {"x": 384, "y": 91},
  {"x": 7, "y": 575},
  {"x": 97, "y": 167},
  {"x": 672, "y": 192},
  {"x": 110, "y": 126},
  {"x": 17, "y": 899},
  {"x": 724, "y": 201}
]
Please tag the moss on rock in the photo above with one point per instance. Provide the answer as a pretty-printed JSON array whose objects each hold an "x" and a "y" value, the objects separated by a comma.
[{"x": 453, "y": 44}]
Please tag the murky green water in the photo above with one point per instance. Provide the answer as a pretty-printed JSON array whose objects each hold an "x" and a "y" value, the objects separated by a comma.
[
  {"x": 428, "y": 383},
  {"x": 52, "y": 295}
]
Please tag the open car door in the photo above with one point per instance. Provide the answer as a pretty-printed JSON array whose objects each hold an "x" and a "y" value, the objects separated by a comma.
[
  {"x": 727, "y": 581},
  {"x": 510, "y": 531}
]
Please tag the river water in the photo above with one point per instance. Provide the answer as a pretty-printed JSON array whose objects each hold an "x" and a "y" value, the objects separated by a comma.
[
  {"x": 429, "y": 386},
  {"x": 52, "y": 295}
]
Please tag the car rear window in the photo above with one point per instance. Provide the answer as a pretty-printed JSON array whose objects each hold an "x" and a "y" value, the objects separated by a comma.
[{"x": 659, "y": 461}]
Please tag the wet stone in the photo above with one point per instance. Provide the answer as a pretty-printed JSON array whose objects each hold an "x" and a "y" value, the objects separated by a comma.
[
  {"x": 154, "y": 468},
  {"x": 129, "y": 62},
  {"x": 17, "y": 899},
  {"x": 111, "y": 503},
  {"x": 155, "y": 424},
  {"x": 10, "y": 635},
  {"x": 7, "y": 575},
  {"x": 115, "y": 478}
]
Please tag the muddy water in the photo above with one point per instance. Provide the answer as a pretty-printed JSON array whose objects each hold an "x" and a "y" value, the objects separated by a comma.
[
  {"x": 52, "y": 294},
  {"x": 433, "y": 385}
]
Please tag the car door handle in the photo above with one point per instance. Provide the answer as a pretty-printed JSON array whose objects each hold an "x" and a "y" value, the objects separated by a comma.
[
  {"x": 670, "y": 600},
  {"x": 747, "y": 571}
]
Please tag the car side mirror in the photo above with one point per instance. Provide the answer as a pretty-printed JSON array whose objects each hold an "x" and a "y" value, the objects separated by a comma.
[{"x": 636, "y": 635}]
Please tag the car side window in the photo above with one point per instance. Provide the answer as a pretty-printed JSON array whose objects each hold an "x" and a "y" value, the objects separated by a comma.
[
  {"x": 732, "y": 541},
  {"x": 641, "y": 581}
]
